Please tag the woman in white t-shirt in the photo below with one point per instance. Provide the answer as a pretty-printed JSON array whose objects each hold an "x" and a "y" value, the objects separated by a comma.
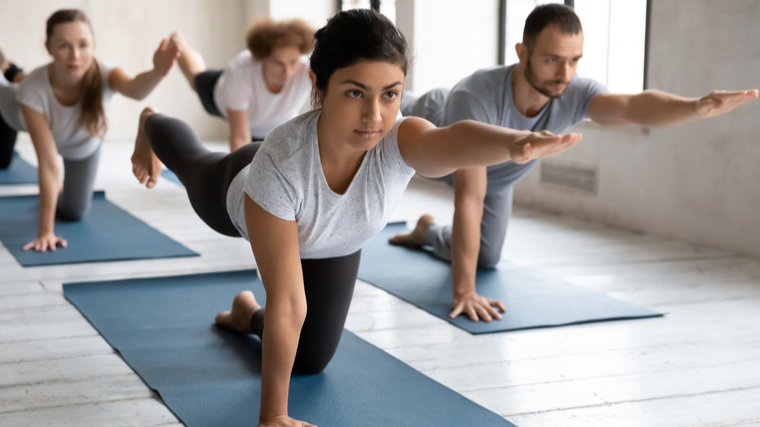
[
  {"x": 319, "y": 187},
  {"x": 63, "y": 107},
  {"x": 262, "y": 87}
]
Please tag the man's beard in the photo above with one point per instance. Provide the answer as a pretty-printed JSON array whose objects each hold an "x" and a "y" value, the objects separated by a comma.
[{"x": 532, "y": 79}]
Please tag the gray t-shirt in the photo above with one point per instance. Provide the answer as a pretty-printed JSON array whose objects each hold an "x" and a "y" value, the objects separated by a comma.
[
  {"x": 73, "y": 142},
  {"x": 286, "y": 180},
  {"x": 486, "y": 96}
]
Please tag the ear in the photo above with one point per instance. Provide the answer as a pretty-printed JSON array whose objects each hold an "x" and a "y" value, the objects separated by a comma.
[
  {"x": 522, "y": 52},
  {"x": 313, "y": 78}
]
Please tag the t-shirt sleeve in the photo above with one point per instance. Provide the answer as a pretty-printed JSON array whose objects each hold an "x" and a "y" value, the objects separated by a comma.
[
  {"x": 268, "y": 186},
  {"x": 236, "y": 89},
  {"x": 31, "y": 93},
  {"x": 464, "y": 105},
  {"x": 588, "y": 91},
  {"x": 391, "y": 152},
  {"x": 105, "y": 72}
]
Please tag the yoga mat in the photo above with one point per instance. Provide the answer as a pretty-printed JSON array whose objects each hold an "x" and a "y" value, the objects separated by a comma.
[
  {"x": 107, "y": 233},
  {"x": 209, "y": 376},
  {"x": 19, "y": 172},
  {"x": 166, "y": 173},
  {"x": 532, "y": 299}
]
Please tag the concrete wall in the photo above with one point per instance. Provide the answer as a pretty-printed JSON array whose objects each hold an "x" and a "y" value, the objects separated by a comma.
[{"x": 699, "y": 182}]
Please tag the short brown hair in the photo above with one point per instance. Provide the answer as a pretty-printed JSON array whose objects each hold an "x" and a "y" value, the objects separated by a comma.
[
  {"x": 550, "y": 14},
  {"x": 268, "y": 34}
]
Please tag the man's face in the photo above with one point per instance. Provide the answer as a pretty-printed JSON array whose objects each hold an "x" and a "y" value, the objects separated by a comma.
[{"x": 551, "y": 64}]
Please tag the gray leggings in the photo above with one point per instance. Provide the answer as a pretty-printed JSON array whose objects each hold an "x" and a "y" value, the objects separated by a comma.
[
  {"x": 328, "y": 283},
  {"x": 75, "y": 200},
  {"x": 497, "y": 209}
]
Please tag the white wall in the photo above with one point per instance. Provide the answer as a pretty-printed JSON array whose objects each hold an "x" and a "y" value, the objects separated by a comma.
[
  {"x": 451, "y": 39},
  {"x": 699, "y": 182}
]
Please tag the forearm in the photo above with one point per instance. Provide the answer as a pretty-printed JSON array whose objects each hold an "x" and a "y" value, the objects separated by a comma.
[
  {"x": 465, "y": 245},
  {"x": 143, "y": 84},
  {"x": 469, "y": 144},
  {"x": 656, "y": 108},
  {"x": 282, "y": 328},
  {"x": 237, "y": 141},
  {"x": 48, "y": 177}
]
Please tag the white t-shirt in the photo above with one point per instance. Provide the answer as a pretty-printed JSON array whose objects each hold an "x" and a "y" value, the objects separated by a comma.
[
  {"x": 286, "y": 179},
  {"x": 73, "y": 142},
  {"x": 241, "y": 87}
]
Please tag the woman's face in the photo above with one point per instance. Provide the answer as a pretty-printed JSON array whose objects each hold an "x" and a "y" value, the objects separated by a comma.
[
  {"x": 362, "y": 102},
  {"x": 72, "y": 47}
]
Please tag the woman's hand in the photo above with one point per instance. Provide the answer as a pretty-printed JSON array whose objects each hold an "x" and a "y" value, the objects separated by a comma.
[
  {"x": 45, "y": 242},
  {"x": 164, "y": 57},
  {"x": 541, "y": 144},
  {"x": 284, "y": 421}
]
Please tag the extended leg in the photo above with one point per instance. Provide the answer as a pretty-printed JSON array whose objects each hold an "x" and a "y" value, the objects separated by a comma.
[{"x": 205, "y": 174}]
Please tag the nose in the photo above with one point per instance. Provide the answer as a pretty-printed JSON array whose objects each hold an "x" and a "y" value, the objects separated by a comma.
[
  {"x": 371, "y": 111},
  {"x": 567, "y": 71}
]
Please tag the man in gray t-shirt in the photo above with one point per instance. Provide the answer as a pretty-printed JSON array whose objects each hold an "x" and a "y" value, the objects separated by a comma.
[{"x": 539, "y": 93}]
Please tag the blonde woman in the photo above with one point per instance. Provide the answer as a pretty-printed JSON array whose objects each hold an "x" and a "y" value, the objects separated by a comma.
[{"x": 63, "y": 107}]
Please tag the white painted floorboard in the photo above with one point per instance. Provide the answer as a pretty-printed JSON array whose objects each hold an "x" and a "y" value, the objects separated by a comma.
[{"x": 698, "y": 366}]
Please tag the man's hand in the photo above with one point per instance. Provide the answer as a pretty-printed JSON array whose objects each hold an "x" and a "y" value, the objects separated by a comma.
[
  {"x": 721, "y": 102},
  {"x": 283, "y": 421},
  {"x": 476, "y": 307}
]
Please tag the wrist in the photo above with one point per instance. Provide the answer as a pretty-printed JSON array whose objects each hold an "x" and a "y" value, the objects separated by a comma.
[{"x": 463, "y": 288}]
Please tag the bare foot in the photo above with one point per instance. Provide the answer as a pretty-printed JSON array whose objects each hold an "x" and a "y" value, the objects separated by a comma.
[
  {"x": 145, "y": 164},
  {"x": 239, "y": 319},
  {"x": 416, "y": 237}
]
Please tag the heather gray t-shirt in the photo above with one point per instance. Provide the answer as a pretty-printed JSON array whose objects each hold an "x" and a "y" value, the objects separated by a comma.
[
  {"x": 286, "y": 179},
  {"x": 486, "y": 96},
  {"x": 72, "y": 140}
]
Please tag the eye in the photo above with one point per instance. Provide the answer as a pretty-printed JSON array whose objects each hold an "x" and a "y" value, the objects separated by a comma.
[
  {"x": 354, "y": 93},
  {"x": 82, "y": 45},
  {"x": 391, "y": 94},
  {"x": 551, "y": 60}
]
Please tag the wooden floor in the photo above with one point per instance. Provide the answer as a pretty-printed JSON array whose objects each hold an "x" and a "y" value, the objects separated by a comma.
[{"x": 698, "y": 366}]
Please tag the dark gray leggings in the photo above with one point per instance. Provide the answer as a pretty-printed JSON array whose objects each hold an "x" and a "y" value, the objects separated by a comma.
[
  {"x": 206, "y": 175},
  {"x": 75, "y": 200}
]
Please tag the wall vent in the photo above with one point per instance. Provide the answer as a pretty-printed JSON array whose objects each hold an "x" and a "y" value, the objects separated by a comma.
[{"x": 569, "y": 176}]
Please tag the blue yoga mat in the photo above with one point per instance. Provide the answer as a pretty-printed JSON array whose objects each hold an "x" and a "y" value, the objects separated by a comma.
[
  {"x": 19, "y": 172},
  {"x": 166, "y": 173},
  {"x": 209, "y": 376},
  {"x": 107, "y": 233},
  {"x": 532, "y": 299}
]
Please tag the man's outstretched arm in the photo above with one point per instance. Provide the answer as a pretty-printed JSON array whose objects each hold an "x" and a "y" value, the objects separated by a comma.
[{"x": 656, "y": 108}]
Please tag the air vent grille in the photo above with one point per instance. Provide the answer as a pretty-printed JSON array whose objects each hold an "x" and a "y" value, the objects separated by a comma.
[{"x": 569, "y": 176}]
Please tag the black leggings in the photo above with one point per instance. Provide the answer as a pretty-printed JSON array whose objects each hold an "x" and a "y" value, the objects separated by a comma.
[
  {"x": 328, "y": 283},
  {"x": 7, "y": 134},
  {"x": 205, "y": 174}
]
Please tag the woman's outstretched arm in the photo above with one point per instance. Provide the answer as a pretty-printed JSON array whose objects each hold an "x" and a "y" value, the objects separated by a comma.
[
  {"x": 140, "y": 86},
  {"x": 275, "y": 245},
  {"x": 435, "y": 152},
  {"x": 49, "y": 173}
]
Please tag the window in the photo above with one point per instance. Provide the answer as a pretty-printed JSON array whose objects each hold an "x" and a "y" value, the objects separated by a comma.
[
  {"x": 614, "y": 39},
  {"x": 386, "y": 7}
]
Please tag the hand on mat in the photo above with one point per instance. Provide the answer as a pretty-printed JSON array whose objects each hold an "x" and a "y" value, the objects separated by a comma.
[
  {"x": 476, "y": 307},
  {"x": 46, "y": 242},
  {"x": 541, "y": 144},
  {"x": 284, "y": 421},
  {"x": 164, "y": 57},
  {"x": 721, "y": 102}
]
